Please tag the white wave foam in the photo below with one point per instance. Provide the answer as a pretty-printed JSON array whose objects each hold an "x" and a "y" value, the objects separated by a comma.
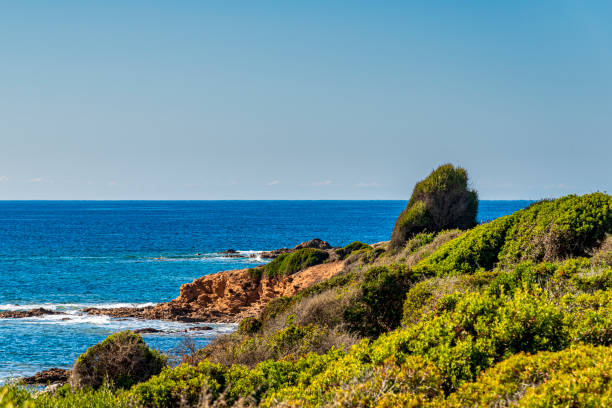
[
  {"x": 117, "y": 324},
  {"x": 15, "y": 307},
  {"x": 69, "y": 306},
  {"x": 68, "y": 319}
]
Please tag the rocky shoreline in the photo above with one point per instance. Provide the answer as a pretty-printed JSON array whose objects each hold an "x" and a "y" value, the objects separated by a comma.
[
  {"x": 223, "y": 297},
  {"x": 230, "y": 296},
  {"x": 20, "y": 314}
]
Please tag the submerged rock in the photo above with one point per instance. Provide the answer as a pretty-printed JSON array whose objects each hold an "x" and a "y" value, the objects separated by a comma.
[
  {"x": 147, "y": 330},
  {"x": 200, "y": 328}
]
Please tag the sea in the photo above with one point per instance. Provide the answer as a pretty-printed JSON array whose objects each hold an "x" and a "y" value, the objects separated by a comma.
[{"x": 69, "y": 255}]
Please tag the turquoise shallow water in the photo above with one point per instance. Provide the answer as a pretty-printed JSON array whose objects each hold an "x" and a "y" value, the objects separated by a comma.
[{"x": 67, "y": 255}]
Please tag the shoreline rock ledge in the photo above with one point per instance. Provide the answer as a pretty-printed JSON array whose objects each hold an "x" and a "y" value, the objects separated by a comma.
[
  {"x": 50, "y": 376},
  {"x": 229, "y": 296},
  {"x": 20, "y": 314}
]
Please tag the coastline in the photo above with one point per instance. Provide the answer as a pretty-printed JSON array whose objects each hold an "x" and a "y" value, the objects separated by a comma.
[{"x": 226, "y": 296}]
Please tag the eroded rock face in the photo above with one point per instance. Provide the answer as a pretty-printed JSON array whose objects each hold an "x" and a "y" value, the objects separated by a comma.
[
  {"x": 50, "y": 376},
  {"x": 227, "y": 297},
  {"x": 19, "y": 314}
]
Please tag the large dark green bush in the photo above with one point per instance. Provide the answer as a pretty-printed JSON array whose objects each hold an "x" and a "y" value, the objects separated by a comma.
[
  {"x": 439, "y": 202},
  {"x": 287, "y": 264},
  {"x": 378, "y": 306},
  {"x": 548, "y": 230},
  {"x": 121, "y": 360}
]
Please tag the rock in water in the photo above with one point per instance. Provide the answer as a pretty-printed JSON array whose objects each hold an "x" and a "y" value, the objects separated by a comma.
[
  {"x": 313, "y": 243},
  {"x": 147, "y": 330},
  {"x": 50, "y": 376},
  {"x": 19, "y": 314}
]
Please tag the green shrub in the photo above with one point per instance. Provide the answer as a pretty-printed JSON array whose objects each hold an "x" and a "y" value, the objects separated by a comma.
[
  {"x": 545, "y": 379},
  {"x": 546, "y": 231},
  {"x": 378, "y": 307},
  {"x": 371, "y": 255},
  {"x": 441, "y": 201},
  {"x": 249, "y": 325},
  {"x": 181, "y": 386},
  {"x": 275, "y": 307},
  {"x": 287, "y": 264},
  {"x": 432, "y": 295},
  {"x": 350, "y": 248},
  {"x": 13, "y": 396},
  {"x": 589, "y": 387},
  {"x": 121, "y": 360},
  {"x": 16, "y": 397},
  {"x": 475, "y": 330}
]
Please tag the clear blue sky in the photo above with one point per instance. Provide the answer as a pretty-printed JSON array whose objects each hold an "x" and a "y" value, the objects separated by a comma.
[{"x": 302, "y": 100}]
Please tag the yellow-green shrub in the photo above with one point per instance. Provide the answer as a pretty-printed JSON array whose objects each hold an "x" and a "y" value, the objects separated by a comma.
[
  {"x": 544, "y": 379},
  {"x": 548, "y": 230}
]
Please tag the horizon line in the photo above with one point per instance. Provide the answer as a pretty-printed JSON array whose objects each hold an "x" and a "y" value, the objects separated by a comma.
[{"x": 247, "y": 199}]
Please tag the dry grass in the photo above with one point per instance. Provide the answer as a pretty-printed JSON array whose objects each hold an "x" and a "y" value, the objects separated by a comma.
[
  {"x": 323, "y": 309},
  {"x": 603, "y": 255}
]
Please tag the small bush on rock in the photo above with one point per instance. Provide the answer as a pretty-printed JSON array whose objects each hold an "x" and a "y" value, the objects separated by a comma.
[
  {"x": 350, "y": 248},
  {"x": 121, "y": 360},
  {"x": 287, "y": 264}
]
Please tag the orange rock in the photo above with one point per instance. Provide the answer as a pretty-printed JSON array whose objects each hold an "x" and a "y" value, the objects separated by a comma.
[{"x": 228, "y": 296}]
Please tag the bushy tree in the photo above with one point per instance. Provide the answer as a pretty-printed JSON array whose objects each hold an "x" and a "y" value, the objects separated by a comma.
[
  {"x": 121, "y": 360},
  {"x": 441, "y": 201}
]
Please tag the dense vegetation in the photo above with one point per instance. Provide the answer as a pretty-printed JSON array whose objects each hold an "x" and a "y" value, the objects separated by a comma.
[
  {"x": 287, "y": 264},
  {"x": 439, "y": 202},
  {"x": 516, "y": 312}
]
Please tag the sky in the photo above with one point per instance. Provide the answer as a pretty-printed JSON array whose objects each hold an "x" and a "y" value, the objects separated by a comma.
[{"x": 303, "y": 100}]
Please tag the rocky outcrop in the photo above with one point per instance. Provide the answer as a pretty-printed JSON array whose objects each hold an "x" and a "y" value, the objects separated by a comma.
[
  {"x": 50, "y": 376},
  {"x": 227, "y": 297},
  {"x": 313, "y": 243},
  {"x": 19, "y": 314}
]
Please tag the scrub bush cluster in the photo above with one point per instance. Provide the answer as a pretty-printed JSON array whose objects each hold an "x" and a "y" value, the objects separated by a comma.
[{"x": 515, "y": 312}]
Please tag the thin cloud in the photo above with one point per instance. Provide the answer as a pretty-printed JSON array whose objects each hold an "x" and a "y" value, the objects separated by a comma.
[
  {"x": 272, "y": 183},
  {"x": 36, "y": 180},
  {"x": 555, "y": 186},
  {"x": 370, "y": 184},
  {"x": 322, "y": 183},
  {"x": 3, "y": 179},
  {"x": 111, "y": 183}
]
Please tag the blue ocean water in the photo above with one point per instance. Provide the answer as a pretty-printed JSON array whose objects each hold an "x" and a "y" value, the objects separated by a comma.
[{"x": 67, "y": 255}]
